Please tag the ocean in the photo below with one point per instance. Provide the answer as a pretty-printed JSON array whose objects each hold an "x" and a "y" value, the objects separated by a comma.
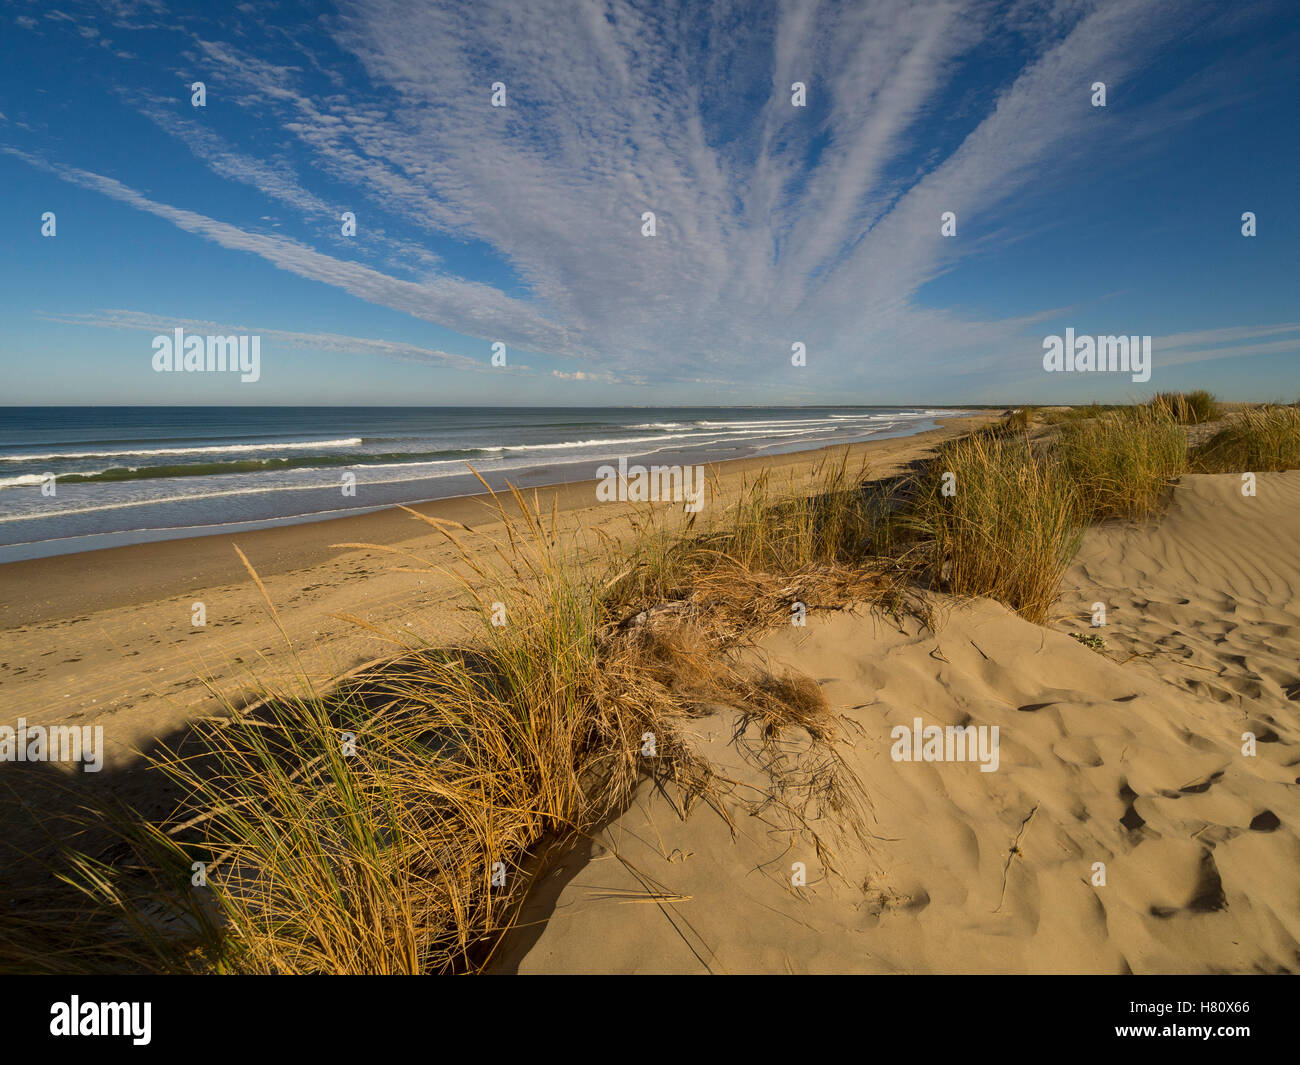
[{"x": 133, "y": 474}]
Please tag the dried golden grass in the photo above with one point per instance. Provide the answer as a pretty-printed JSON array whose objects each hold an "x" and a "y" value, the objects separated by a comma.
[
  {"x": 382, "y": 859},
  {"x": 1123, "y": 462}
]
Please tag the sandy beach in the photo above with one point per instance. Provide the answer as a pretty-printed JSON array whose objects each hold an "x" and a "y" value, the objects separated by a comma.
[{"x": 107, "y": 637}]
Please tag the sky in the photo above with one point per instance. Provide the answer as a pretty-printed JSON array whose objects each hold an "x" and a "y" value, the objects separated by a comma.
[{"x": 522, "y": 225}]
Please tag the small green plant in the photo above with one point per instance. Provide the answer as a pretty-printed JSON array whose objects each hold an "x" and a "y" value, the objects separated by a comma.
[{"x": 1090, "y": 639}]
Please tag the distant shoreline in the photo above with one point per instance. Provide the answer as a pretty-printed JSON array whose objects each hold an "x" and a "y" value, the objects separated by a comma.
[
  {"x": 72, "y": 582},
  {"x": 551, "y": 475}
]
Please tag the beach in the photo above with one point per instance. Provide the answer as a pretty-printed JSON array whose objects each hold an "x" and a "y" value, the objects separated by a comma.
[
  {"x": 107, "y": 637},
  {"x": 573, "y": 488},
  {"x": 76, "y": 479}
]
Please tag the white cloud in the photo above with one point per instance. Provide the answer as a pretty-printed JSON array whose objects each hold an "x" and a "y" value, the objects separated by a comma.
[{"x": 1210, "y": 345}]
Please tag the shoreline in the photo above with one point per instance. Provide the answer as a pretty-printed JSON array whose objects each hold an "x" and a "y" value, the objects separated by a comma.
[
  {"x": 62, "y": 578},
  {"x": 100, "y": 523}
]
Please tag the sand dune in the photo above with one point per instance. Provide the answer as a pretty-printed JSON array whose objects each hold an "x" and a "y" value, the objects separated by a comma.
[
  {"x": 1214, "y": 591},
  {"x": 1133, "y": 762}
]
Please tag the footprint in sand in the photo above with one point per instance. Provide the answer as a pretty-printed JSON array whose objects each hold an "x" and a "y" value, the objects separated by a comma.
[
  {"x": 1131, "y": 820},
  {"x": 878, "y": 900}
]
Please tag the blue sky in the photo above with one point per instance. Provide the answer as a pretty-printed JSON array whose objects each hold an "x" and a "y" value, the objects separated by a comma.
[{"x": 522, "y": 224}]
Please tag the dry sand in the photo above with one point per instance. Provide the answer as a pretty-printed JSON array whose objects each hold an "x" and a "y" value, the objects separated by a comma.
[{"x": 1136, "y": 763}]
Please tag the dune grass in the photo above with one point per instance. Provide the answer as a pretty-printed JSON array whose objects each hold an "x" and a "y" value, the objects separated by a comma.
[
  {"x": 1123, "y": 462},
  {"x": 783, "y": 531},
  {"x": 1258, "y": 439},
  {"x": 829, "y": 518},
  {"x": 1188, "y": 408},
  {"x": 390, "y": 825},
  {"x": 1074, "y": 414},
  {"x": 822, "y": 535},
  {"x": 380, "y": 828},
  {"x": 993, "y": 519},
  {"x": 393, "y": 823}
]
